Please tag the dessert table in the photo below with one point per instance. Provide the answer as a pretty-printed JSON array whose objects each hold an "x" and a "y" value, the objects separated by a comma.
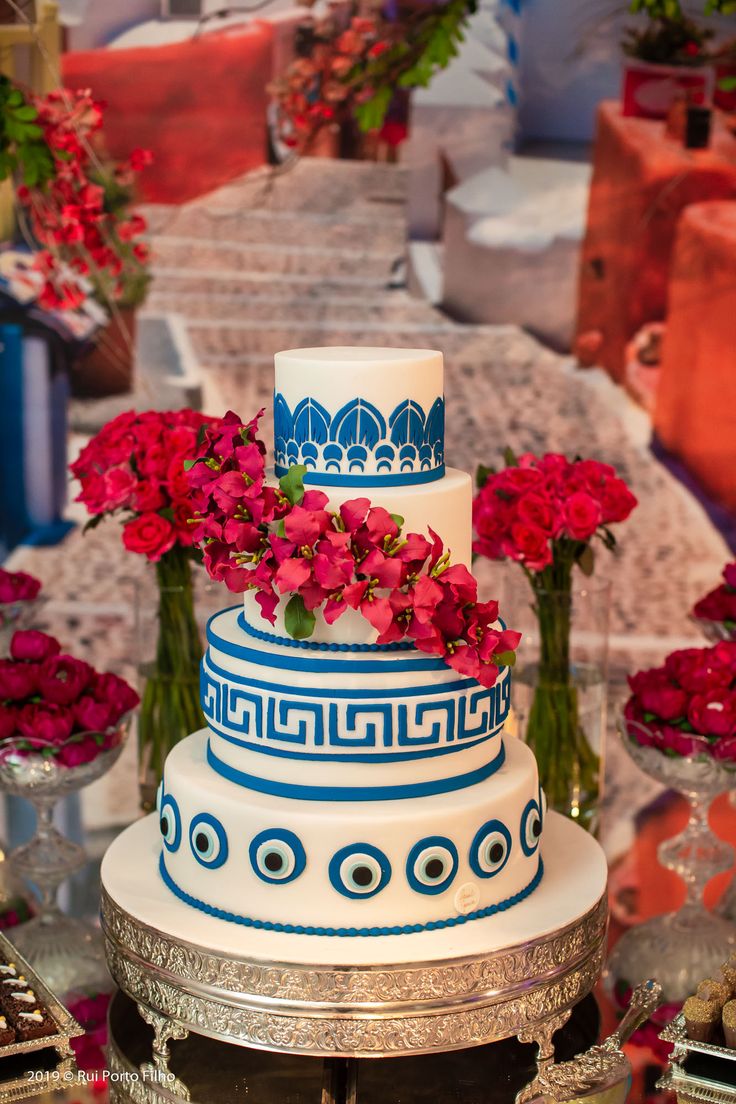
[{"x": 642, "y": 181}]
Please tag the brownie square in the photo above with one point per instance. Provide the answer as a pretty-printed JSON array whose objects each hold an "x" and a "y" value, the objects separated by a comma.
[
  {"x": 33, "y": 1024},
  {"x": 7, "y": 1034}
]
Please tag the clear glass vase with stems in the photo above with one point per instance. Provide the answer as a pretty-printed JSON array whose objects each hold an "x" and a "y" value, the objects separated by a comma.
[
  {"x": 560, "y": 684},
  {"x": 67, "y": 952},
  {"x": 170, "y": 622},
  {"x": 681, "y": 947}
]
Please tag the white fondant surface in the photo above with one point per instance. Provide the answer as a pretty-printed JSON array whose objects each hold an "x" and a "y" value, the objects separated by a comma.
[
  {"x": 258, "y": 711},
  {"x": 325, "y": 827},
  {"x": 335, "y": 376},
  {"x": 574, "y": 881}
]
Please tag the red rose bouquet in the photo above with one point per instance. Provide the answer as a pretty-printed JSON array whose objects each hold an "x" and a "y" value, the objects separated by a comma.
[
  {"x": 134, "y": 468},
  {"x": 687, "y": 707},
  {"x": 18, "y": 598},
  {"x": 279, "y": 540},
  {"x": 545, "y": 512},
  {"x": 58, "y": 706},
  {"x": 718, "y": 607}
]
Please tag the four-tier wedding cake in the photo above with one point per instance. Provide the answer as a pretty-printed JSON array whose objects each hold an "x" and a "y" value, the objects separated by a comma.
[{"x": 344, "y": 787}]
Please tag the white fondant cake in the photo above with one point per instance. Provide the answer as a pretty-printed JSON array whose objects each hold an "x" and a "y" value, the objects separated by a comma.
[{"x": 344, "y": 788}]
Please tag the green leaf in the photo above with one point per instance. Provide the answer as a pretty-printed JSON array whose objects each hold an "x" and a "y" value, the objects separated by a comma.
[
  {"x": 299, "y": 621},
  {"x": 281, "y": 528},
  {"x": 586, "y": 560},
  {"x": 510, "y": 458},
  {"x": 505, "y": 659},
  {"x": 189, "y": 464},
  {"x": 398, "y": 520},
  {"x": 292, "y": 484},
  {"x": 481, "y": 475},
  {"x": 93, "y": 523},
  {"x": 26, "y": 113}
]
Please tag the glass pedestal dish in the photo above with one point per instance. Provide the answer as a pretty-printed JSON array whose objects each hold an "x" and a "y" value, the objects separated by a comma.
[
  {"x": 67, "y": 952},
  {"x": 681, "y": 948}
]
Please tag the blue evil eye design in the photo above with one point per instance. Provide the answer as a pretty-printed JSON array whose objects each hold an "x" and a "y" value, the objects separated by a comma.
[
  {"x": 169, "y": 822},
  {"x": 208, "y": 841},
  {"x": 490, "y": 849},
  {"x": 531, "y": 827},
  {"x": 277, "y": 856},
  {"x": 432, "y": 864},
  {"x": 359, "y": 870}
]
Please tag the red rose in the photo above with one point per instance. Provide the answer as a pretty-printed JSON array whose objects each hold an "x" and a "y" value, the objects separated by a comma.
[
  {"x": 29, "y": 644},
  {"x": 120, "y": 484},
  {"x": 673, "y": 739},
  {"x": 183, "y": 525},
  {"x": 724, "y": 750},
  {"x": 729, "y": 575},
  {"x": 48, "y": 724},
  {"x": 616, "y": 500},
  {"x": 698, "y": 670},
  {"x": 17, "y": 680},
  {"x": 535, "y": 509},
  {"x": 150, "y": 535},
  {"x": 530, "y": 545},
  {"x": 17, "y": 586},
  {"x": 582, "y": 515},
  {"x": 657, "y": 694},
  {"x": 8, "y": 721},
  {"x": 76, "y": 752},
  {"x": 147, "y": 497},
  {"x": 62, "y": 679},
  {"x": 92, "y": 715},
  {"x": 714, "y": 713},
  {"x": 116, "y": 693}
]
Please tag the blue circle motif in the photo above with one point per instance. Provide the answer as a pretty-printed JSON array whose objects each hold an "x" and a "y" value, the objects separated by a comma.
[
  {"x": 431, "y": 844},
  {"x": 376, "y": 860},
  {"x": 169, "y": 805},
  {"x": 293, "y": 845},
  {"x": 204, "y": 821},
  {"x": 530, "y": 809},
  {"x": 481, "y": 839}
]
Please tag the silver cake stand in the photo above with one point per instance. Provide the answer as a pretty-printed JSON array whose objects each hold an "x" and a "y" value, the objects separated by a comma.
[{"x": 389, "y": 996}]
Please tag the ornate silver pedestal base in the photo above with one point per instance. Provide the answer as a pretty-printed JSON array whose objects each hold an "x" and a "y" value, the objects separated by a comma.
[{"x": 188, "y": 972}]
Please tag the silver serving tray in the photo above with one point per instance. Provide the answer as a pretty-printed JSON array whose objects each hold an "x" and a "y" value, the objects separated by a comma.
[
  {"x": 63, "y": 1074},
  {"x": 696, "y": 1087}
]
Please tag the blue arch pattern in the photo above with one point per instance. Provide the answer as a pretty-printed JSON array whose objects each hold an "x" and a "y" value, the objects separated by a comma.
[{"x": 408, "y": 446}]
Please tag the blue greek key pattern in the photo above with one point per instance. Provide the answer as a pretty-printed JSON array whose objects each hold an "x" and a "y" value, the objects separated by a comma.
[
  {"x": 352, "y": 726},
  {"x": 358, "y": 443}
]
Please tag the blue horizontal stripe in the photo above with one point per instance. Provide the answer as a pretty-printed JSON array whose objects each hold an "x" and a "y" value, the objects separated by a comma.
[
  {"x": 309, "y": 929},
  {"x": 354, "y": 793},
  {"x": 400, "y": 479},
  {"x": 319, "y": 645},
  {"x": 355, "y": 694},
  {"x": 357, "y": 757},
  {"x": 324, "y": 663}
]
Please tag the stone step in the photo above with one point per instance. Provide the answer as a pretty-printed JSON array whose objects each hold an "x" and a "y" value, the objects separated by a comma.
[
  {"x": 228, "y": 281},
  {"x": 253, "y": 343},
  {"x": 286, "y": 228},
  {"x": 392, "y": 306},
  {"x": 310, "y": 186},
  {"x": 314, "y": 261}
]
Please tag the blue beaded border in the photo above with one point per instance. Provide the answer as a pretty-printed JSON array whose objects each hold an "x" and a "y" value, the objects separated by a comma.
[
  {"x": 318, "y": 646},
  {"x": 301, "y": 929}
]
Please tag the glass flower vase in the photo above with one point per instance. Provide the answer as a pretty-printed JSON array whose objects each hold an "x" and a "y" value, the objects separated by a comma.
[
  {"x": 680, "y": 948},
  {"x": 559, "y": 692}
]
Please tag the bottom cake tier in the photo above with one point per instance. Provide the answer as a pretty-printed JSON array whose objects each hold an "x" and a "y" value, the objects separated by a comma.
[{"x": 370, "y": 868}]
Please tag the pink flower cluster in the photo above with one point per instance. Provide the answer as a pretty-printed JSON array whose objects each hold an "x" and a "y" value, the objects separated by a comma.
[
  {"x": 285, "y": 540},
  {"x": 720, "y": 604},
  {"x": 89, "y": 1049},
  {"x": 51, "y": 700},
  {"x": 687, "y": 706},
  {"x": 135, "y": 464},
  {"x": 521, "y": 511},
  {"x": 17, "y": 586}
]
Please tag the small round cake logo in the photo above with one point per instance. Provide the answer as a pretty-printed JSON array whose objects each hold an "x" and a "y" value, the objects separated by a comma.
[{"x": 467, "y": 898}]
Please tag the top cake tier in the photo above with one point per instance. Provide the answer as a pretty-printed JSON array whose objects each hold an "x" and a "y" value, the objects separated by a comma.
[{"x": 359, "y": 416}]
